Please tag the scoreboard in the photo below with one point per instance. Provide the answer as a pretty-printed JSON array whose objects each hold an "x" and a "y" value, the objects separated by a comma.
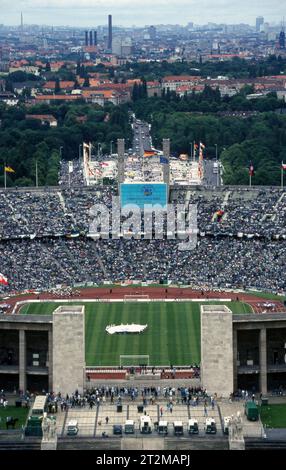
[{"x": 144, "y": 194}]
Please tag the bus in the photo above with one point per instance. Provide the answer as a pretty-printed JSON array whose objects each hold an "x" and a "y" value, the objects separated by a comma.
[{"x": 39, "y": 405}]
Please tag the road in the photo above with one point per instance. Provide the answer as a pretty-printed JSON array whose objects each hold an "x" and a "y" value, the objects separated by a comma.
[{"x": 142, "y": 140}]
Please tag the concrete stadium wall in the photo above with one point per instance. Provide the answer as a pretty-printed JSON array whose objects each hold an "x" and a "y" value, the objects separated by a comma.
[
  {"x": 68, "y": 350},
  {"x": 217, "y": 349}
]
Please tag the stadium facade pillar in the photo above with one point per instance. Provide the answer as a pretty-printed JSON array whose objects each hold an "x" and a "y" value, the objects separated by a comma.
[
  {"x": 68, "y": 349},
  {"x": 235, "y": 359},
  {"x": 217, "y": 349},
  {"x": 263, "y": 360},
  {"x": 50, "y": 359},
  {"x": 166, "y": 166},
  {"x": 22, "y": 361},
  {"x": 121, "y": 156}
]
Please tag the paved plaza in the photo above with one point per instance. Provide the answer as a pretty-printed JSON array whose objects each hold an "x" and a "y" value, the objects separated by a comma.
[{"x": 101, "y": 419}]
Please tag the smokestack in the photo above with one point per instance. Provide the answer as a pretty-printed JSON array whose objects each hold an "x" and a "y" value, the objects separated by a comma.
[
  {"x": 86, "y": 38},
  {"x": 95, "y": 37},
  {"x": 109, "y": 45},
  {"x": 90, "y": 38}
]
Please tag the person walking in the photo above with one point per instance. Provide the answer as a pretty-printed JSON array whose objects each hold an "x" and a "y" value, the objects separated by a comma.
[{"x": 161, "y": 411}]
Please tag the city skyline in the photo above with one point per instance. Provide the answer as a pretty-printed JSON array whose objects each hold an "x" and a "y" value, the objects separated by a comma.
[{"x": 84, "y": 13}]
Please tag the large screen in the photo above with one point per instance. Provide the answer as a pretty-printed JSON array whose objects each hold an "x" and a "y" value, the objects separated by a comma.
[{"x": 144, "y": 193}]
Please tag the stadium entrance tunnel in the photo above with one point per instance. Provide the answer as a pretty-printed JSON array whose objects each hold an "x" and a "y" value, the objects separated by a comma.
[{"x": 37, "y": 383}]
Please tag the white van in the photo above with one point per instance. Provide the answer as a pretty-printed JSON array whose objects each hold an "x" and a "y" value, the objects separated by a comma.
[
  {"x": 163, "y": 428},
  {"x": 129, "y": 427},
  {"x": 72, "y": 428},
  {"x": 145, "y": 424}
]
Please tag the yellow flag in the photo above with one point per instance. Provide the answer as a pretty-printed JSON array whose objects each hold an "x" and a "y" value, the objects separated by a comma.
[{"x": 8, "y": 169}]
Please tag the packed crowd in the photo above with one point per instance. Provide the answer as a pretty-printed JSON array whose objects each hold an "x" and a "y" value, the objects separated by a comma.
[
  {"x": 100, "y": 395},
  {"x": 44, "y": 242},
  {"x": 38, "y": 213}
]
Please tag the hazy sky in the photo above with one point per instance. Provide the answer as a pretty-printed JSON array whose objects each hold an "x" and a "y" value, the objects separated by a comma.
[{"x": 139, "y": 12}]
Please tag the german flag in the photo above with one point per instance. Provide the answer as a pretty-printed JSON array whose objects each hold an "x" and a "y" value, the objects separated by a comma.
[{"x": 149, "y": 153}]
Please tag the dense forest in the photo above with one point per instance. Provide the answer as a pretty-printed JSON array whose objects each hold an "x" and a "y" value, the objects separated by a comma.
[{"x": 24, "y": 142}]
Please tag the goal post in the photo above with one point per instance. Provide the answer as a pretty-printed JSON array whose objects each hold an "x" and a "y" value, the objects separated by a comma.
[
  {"x": 136, "y": 297},
  {"x": 134, "y": 360}
]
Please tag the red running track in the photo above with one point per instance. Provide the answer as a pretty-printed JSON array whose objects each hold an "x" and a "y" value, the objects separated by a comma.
[{"x": 153, "y": 293}]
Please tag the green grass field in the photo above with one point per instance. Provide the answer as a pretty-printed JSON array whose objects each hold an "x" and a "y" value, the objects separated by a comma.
[
  {"x": 20, "y": 413},
  {"x": 273, "y": 416},
  {"x": 172, "y": 337}
]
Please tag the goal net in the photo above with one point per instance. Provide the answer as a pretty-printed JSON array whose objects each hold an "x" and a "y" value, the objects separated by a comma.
[
  {"x": 134, "y": 360},
  {"x": 136, "y": 297}
]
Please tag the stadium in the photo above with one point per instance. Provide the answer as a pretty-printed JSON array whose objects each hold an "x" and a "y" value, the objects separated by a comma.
[{"x": 212, "y": 317}]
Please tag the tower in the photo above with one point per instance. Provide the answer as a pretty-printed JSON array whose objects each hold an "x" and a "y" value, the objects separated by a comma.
[
  {"x": 282, "y": 36},
  {"x": 22, "y": 21},
  {"x": 90, "y": 38},
  {"x": 121, "y": 155},
  {"x": 86, "y": 38},
  {"x": 95, "y": 38},
  {"x": 166, "y": 166},
  {"x": 259, "y": 23},
  {"x": 109, "y": 44}
]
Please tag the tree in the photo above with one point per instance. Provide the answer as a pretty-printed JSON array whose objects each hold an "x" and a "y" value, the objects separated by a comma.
[
  {"x": 78, "y": 68},
  {"x": 57, "y": 86},
  {"x": 86, "y": 82},
  {"x": 48, "y": 67}
]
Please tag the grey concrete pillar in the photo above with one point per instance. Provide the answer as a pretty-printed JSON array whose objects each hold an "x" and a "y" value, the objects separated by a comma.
[
  {"x": 22, "y": 361},
  {"x": 234, "y": 359},
  {"x": 166, "y": 166},
  {"x": 50, "y": 359},
  {"x": 263, "y": 360},
  {"x": 121, "y": 156}
]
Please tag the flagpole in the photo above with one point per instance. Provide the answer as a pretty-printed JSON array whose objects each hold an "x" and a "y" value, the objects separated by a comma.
[
  {"x": 250, "y": 180},
  {"x": 282, "y": 177},
  {"x": 37, "y": 181},
  {"x": 5, "y": 176}
]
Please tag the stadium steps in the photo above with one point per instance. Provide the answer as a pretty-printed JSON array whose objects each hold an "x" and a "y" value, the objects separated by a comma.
[
  {"x": 20, "y": 445},
  {"x": 197, "y": 443},
  {"x": 264, "y": 444},
  {"x": 89, "y": 444}
]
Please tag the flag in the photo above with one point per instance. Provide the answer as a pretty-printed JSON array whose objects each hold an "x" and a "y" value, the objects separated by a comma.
[
  {"x": 202, "y": 147},
  {"x": 251, "y": 169},
  {"x": 149, "y": 153},
  {"x": 164, "y": 160},
  {"x": 283, "y": 166},
  {"x": 3, "y": 280},
  {"x": 195, "y": 150},
  {"x": 8, "y": 169}
]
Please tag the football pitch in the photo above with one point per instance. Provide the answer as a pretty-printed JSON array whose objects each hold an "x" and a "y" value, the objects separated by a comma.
[{"x": 172, "y": 338}]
